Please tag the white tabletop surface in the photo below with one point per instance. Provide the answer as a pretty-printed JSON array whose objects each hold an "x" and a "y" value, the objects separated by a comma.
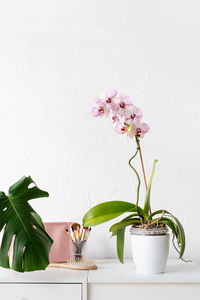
[
  {"x": 112, "y": 271},
  {"x": 50, "y": 275},
  {"x": 109, "y": 271}
]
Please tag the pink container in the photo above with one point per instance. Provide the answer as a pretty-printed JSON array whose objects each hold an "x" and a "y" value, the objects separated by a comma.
[{"x": 61, "y": 249}]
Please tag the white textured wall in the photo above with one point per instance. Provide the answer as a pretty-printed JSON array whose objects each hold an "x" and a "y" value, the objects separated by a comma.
[{"x": 55, "y": 56}]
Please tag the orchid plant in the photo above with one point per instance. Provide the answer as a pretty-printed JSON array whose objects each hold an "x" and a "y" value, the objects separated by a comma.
[{"x": 127, "y": 119}]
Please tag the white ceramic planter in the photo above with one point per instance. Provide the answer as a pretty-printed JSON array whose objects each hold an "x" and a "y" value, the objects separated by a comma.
[{"x": 150, "y": 250}]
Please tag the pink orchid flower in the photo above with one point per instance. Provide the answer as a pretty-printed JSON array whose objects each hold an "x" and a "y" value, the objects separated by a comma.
[
  {"x": 126, "y": 116},
  {"x": 105, "y": 104},
  {"x": 141, "y": 128},
  {"x": 115, "y": 118},
  {"x": 109, "y": 96},
  {"x": 100, "y": 109},
  {"x": 124, "y": 104},
  {"x": 121, "y": 128},
  {"x": 134, "y": 112},
  {"x": 135, "y": 128}
]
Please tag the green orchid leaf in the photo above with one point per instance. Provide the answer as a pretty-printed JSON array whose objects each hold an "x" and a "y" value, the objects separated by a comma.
[
  {"x": 148, "y": 193},
  {"x": 120, "y": 244},
  {"x": 178, "y": 232},
  {"x": 107, "y": 211},
  {"x": 181, "y": 237},
  {"x": 130, "y": 217},
  {"x": 118, "y": 229},
  {"x": 168, "y": 222},
  {"x": 157, "y": 212},
  {"x": 123, "y": 223},
  {"x": 21, "y": 223}
]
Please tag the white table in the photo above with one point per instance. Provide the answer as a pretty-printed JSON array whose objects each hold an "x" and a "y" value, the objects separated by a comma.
[
  {"x": 120, "y": 281},
  {"x": 111, "y": 280},
  {"x": 51, "y": 284}
]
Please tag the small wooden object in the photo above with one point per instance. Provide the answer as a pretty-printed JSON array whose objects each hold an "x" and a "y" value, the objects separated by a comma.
[{"x": 82, "y": 264}]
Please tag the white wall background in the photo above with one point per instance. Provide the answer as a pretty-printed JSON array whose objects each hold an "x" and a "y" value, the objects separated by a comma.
[{"x": 55, "y": 57}]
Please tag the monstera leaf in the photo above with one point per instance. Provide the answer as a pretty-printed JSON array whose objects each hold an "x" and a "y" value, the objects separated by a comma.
[{"x": 22, "y": 224}]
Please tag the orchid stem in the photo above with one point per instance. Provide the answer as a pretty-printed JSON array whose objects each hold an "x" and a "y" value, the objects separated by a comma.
[
  {"x": 141, "y": 159},
  {"x": 138, "y": 187}
]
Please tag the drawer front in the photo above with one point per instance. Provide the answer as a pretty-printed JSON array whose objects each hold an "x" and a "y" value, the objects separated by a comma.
[
  {"x": 40, "y": 291},
  {"x": 143, "y": 291}
]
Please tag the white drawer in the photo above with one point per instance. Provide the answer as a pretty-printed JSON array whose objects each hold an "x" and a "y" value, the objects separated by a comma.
[
  {"x": 40, "y": 291},
  {"x": 143, "y": 291}
]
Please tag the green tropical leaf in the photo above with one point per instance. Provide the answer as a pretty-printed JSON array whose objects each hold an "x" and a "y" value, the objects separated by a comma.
[
  {"x": 21, "y": 223},
  {"x": 148, "y": 193},
  {"x": 107, "y": 211},
  {"x": 38, "y": 219},
  {"x": 178, "y": 232}
]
